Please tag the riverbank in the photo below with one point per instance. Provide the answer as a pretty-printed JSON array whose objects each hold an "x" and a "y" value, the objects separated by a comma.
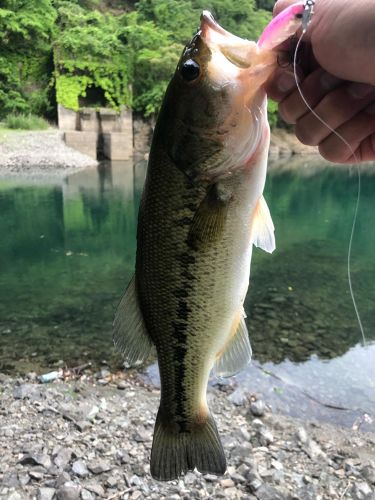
[
  {"x": 44, "y": 153},
  {"x": 91, "y": 438},
  {"x": 39, "y": 153}
]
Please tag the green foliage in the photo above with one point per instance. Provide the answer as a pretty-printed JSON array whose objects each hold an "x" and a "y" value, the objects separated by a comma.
[
  {"x": 273, "y": 115},
  {"x": 25, "y": 122},
  {"x": 26, "y": 30},
  {"x": 90, "y": 52},
  {"x": 124, "y": 51},
  {"x": 265, "y": 4}
]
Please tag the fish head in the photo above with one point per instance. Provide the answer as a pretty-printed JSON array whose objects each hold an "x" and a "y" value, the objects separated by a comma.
[{"x": 214, "y": 112}]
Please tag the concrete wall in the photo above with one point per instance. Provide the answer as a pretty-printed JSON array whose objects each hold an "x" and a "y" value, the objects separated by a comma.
[{"x": 85, "y": 128}]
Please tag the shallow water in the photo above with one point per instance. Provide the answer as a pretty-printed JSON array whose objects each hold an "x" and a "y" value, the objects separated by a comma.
[{"x": 67, "y": 251}]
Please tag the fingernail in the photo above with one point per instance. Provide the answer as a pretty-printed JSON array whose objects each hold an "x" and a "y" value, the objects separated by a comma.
[
  {"x": 360, "y": 90},
  {"x": 371, "y": 109},
  {"x": 286, "y": 82},
  {"x": 328, "y": 81}
]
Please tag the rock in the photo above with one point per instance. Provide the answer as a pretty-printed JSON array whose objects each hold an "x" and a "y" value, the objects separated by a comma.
[
  {"x": 258, "y": 408},
  {"x": 265, "y": 436},
  {"x": 99, "y": 466},
  {"x": 69, "y": 491},
  {"x": 369, "y": 474},
  {"x": 24, "y": 391},
  {"x": 14, "y": 496},
  {"x": 137, "y": 494},
  {"x": 134, "y": 480},
  {"x": 267, "y": 492},
  {"x": 239, "y": 397},
  {"x": 122, "y": 385},
  {"x": 96, "y": 488},
  {"x": 255, "y": 484},
  {"x": 79, "y": 468},
  {"x": 63, "y": 457},
  {"x": 227, "y": 483},
  {"x": 361, "y": 491},
  {"x": 36, "y": 459},
  {"x": 46, "y": 493},
  {"x": 86, "y": 495},
  {"x": 302, "y": 435}
]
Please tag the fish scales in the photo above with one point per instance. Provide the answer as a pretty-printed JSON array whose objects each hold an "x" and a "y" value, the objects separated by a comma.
[{"x": 201, "y": 211}]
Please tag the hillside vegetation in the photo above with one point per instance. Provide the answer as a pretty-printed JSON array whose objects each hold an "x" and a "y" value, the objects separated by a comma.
[{"x": 109, "y": 53}]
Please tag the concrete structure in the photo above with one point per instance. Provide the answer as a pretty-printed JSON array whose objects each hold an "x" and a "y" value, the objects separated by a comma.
[
  {"x": 67, "y": 118},
  {"x": 88, "y": 128},
  {"x": 117, "y": 145},
  {"x": 85, "y": 142},
  {"x": 88, "y": 120}
]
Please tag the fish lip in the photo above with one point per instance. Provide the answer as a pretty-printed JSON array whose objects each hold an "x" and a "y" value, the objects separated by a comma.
[{"x": 208, "y": 22}]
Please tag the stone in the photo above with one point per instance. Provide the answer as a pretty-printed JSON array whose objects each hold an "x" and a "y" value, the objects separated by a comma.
[
  {"x": 79, "y": 468},
  {"x": 227, "y": 483},
  {"x": 63, "y": 457},
  {"x": 361, "y": 491},
  {"x": 99, "y": 466},
  {"x": 265, "y": 436},
  {"x": 46, "y": 493},
  {"x": 267, "y": 492},
  {"x": 36, "y": 459},
  {"x": 14, "y": 496},
  {"x": 122, "y": 385},
  {"x": 95, "y": 487},
  {"x": 258, "y": 408},
  {"x": 86, "y": 495},
  {"x": 368, "y": 473},
  {"x": 302, "y": 435},
  {"x": 23, "y": 391},
  {"x": 69, "y": 491}
]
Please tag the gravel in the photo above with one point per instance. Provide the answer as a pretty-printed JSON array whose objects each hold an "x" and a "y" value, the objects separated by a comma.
[
  {"x": 47, "y": 454},
  {"x": 39, "y": 154}
]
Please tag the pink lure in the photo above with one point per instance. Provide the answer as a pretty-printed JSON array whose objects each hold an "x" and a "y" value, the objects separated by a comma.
[{"x": 282, "y": 26}]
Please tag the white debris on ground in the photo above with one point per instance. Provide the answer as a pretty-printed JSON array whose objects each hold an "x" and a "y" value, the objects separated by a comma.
[{"x": 39, "y": 153}]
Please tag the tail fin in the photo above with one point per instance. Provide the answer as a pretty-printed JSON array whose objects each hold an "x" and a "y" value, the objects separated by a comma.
[{"x": 175, "y": 453}]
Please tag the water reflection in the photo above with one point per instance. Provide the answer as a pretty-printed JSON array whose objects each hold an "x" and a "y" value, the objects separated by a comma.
[{"x": 67, "y": 251}]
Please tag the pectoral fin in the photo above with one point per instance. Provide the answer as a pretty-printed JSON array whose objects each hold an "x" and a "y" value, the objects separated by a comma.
[
  {"x": 236, "y": 354},
  {"x": 130, "y": 335},
  {"x": 263, "y": 230},
  {"x": 209, "y": 220}
]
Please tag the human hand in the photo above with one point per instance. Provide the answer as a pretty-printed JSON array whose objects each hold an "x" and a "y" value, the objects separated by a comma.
[{"x": 337, "y": 79}]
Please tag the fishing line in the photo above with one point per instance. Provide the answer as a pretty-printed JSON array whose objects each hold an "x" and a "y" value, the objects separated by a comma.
[{"x": 305, "y": 21}]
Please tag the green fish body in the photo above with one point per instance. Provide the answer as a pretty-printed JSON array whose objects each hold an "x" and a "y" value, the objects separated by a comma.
[{"x": 202, "y": 209}]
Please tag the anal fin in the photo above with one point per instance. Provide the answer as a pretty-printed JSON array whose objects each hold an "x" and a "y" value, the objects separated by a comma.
[
  {"x": 263, "y": 230},
  {"x": 236, "y": 354},
  {"x": 130, "y": 335}
]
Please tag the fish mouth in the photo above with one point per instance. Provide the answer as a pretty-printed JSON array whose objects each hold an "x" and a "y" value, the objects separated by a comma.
[{"x": 237, "y": 50}]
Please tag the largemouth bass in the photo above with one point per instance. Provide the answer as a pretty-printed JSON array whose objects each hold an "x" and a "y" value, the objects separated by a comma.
[{"x": 202, "y": 210}]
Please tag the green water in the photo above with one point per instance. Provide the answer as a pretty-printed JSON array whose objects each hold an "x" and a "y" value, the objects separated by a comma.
[{"x": 67, "y": 251}]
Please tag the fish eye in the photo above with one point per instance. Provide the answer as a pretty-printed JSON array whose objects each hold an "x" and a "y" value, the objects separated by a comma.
[{"x": 190, "y": 70}]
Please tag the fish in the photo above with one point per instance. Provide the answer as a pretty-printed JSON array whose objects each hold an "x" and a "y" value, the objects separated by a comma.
[{"x": 201, "y": 212}]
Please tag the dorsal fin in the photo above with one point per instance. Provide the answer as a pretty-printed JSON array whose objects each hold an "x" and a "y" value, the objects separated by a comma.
[
  {"x": 236, "y": 354},
  {"x": 263, "y": 230},
  {"x": 130, "y": 335}
]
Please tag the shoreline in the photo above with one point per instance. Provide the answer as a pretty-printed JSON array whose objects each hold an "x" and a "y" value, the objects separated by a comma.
[{"x": 91, "y": 438}]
